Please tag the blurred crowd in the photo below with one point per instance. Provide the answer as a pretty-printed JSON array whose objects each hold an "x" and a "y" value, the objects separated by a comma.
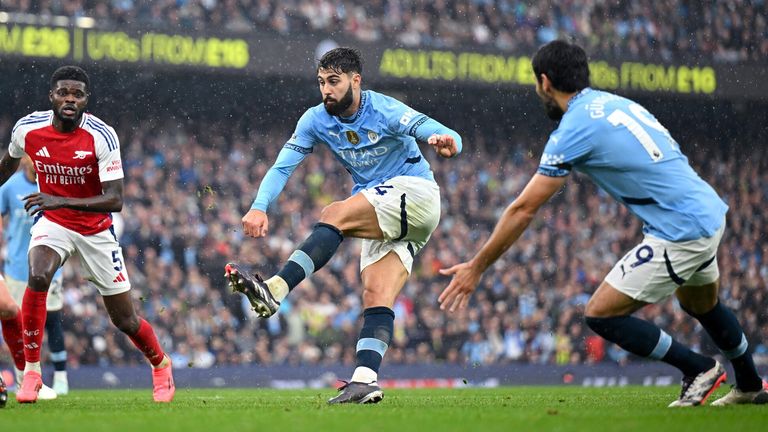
[
  {"x": 188, "y": 185},
  {"x": 721, "y": 30}
]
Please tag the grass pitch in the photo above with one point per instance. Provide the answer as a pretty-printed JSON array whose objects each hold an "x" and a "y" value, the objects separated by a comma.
[{"x": 434, "y": 410}]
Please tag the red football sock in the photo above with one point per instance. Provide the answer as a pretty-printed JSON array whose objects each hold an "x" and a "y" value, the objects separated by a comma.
[
  {"x": 33, "y": 317},
  {"x": 14, "y": 339},
  {"x": 146, "y": 341}
]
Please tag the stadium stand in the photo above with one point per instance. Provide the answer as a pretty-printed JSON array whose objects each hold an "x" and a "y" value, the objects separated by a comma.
[{"x": 720, "y": 30}]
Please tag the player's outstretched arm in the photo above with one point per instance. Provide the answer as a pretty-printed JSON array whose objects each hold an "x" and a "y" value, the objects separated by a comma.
[
  {"x": 110, "y": 200},
  {"x": 510, "y": 226},
  {"x": 8, "y": 166},
  {"x": 255, "y": 222}
]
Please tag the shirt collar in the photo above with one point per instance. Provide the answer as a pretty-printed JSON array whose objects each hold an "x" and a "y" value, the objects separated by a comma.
[
  {"x": 584, "y": 91},
  {"x": 363, "y": 98}
]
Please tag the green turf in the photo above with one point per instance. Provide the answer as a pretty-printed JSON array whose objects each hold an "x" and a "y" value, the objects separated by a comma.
[{"x": 503, "y": 409}]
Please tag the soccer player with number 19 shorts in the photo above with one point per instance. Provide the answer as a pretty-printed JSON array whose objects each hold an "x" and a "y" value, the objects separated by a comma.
[
  {"x": 394, "y": 208},
  {"x": 79, "y": 172},
  {"x": 623, "y": 148}
]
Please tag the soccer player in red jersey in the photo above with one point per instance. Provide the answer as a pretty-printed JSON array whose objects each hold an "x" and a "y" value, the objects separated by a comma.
[{"x": 80, "y": 175}]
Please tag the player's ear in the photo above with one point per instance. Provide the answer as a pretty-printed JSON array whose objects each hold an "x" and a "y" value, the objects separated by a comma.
[
  {"x": 357, "y": 79},
  {"x": 546, "y": 84}
]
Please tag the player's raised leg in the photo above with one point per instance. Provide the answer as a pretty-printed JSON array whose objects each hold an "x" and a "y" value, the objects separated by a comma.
[
  {"x": 382, "y": 282},
  {"x": 43, "y": 263},
  {"x": 123, "y": 316},
  {"x": 608, "y": 314},
  {"x": 701, "y": 302},
  {"x": 353, "y": 217}
]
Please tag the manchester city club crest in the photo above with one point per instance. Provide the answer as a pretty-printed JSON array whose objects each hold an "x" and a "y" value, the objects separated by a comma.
[
  {"x": 373, "y": 137},
  {"x": 353, "y": 137}
]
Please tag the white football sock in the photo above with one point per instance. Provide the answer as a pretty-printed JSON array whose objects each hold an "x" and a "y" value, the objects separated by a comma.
[
  {"x": 364, "y": 375},
  {"x": 278, "y": 287},
  {"x": 33, "y": 366}
]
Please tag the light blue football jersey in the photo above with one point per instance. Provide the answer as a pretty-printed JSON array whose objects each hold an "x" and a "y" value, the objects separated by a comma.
[
  {"x": 628, "y": 153},
  {"x": 378, "y": 143},
  {"x": 17, "y": 225}
]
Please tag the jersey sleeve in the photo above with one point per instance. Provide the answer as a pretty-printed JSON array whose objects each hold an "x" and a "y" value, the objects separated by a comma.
[
  {"x": 108, "y": 154},
  {"x": 16, "y": 147},
  {"x": 294, "y": 151},
  {"x": 567, "y": 146},
  {"x": 303, "y": 138},
  {"x": 405, "y": 120}
]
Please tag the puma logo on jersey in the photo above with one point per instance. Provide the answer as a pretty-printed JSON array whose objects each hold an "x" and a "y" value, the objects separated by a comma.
[
  {"x": 334, "y": 134},
  {"x": 81, "y": 154},
  {"x": 43, "y": 152}
]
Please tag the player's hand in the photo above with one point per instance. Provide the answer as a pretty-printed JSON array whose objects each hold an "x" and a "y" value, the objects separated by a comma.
[
  {"x": 255, "y": 224},
  {"x": 463, "y": 284},
  {"x": 444, "y": 145},
  {"x": 37, "y": 202}
]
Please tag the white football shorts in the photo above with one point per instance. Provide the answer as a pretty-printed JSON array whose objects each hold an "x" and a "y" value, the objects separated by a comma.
[
  {"x": 408, "y": 209},
  {"x": 55, "y": 299},
  {"x": 654, "y": 269},
  {"x": 101, "y": 256}
]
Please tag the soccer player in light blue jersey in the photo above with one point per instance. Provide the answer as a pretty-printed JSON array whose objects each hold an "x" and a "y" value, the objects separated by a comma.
[
  {"x": 16, "y": 236},
  {"x": 623, "y": 148},
  {"x": 394, "y": 207}
]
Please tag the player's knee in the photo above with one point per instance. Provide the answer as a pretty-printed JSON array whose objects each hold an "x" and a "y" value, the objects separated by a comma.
[
  {"x": 377, "y": 295},
  {"x": 332, "y": 214},
  {"x": 39, "y": 282},
  {"x": 593, "y": 310}
]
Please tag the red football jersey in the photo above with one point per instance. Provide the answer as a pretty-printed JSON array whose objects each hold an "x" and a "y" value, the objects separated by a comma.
[{"x": 70, "y": 164}]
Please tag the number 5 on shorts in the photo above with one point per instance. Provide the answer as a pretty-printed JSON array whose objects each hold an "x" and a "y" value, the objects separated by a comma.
[{"x": 116, "y": 259}]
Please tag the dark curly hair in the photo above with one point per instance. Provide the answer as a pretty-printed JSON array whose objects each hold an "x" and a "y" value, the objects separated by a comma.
[
  {"x": 73, "y": 73},
  {"x": 343, "y": 60}
]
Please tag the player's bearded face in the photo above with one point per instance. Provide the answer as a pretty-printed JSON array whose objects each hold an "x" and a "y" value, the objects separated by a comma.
[{"x": 336, "y": 107}]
